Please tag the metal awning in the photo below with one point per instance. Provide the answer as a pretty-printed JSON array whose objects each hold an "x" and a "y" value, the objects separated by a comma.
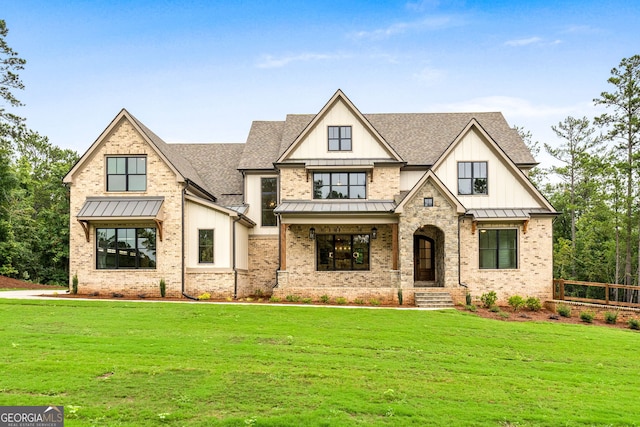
[
  {"x": 122, "y": 209},
  {"x": 507, "y": 214},
  {"x": 335, "y": 207}
]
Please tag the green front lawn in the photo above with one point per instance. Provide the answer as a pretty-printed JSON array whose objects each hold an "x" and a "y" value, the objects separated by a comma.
[{"x": 149, "y": 364}]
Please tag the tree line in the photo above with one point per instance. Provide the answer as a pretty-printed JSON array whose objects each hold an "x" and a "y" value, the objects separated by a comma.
[
  {"x": 34, "y": 207},
  {"x": 594, "y": 185}
]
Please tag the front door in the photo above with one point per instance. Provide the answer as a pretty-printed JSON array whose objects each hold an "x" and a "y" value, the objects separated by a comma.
[{"x": 423, "y": 259}]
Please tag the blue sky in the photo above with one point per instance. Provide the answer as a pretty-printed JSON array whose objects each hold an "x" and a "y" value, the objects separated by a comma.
[{"x": 201, "y": 71}]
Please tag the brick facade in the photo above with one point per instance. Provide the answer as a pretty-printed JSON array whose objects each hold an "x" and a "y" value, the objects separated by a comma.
[
  {"x": 161, "y": 181},
  {"x": 263, "y": 263},
  {"x": 535, "y": 261}
]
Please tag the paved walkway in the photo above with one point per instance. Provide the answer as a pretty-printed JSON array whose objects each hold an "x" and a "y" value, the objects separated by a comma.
[{"x": 46, "y": 294}]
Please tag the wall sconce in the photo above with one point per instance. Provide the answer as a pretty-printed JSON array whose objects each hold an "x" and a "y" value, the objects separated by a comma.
[
  {"x": 374, "y": 233},
  {"x": 312, "y": 233}
]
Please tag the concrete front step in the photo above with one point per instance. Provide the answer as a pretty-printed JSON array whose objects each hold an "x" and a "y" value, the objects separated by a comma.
[{"x": 433, "y": 300}]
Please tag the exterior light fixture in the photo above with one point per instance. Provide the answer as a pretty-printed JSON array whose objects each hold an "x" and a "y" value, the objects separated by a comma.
[
  {"x": 374, "y": 233},
  {"x": 312, "y": 233}
]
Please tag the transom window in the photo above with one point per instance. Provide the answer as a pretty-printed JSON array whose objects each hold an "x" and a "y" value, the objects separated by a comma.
[
  {"x": 269, "y": 188},
  {"x": 472, "y": 178},
  {"x": 498, "y": 248},
  {"x": 339, "y": 185},
  {"x": 339, "y": 138},
  {"x": 342, "y": 252},
  {"x": 118, "y": 248},
  {"x": 205, "y": 246},
  {"x": 126, "y": 173}
]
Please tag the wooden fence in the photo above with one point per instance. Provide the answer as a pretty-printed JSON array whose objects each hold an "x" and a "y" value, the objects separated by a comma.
[{"x": 596, "y": 293}]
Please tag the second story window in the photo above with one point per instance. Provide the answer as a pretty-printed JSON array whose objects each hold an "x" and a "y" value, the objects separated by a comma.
[
  {"x": 472, "y": 178},
  {"x": 269, "y": 189},
  {"x": 126, "y": 173},
  {"x": 339, "y": 138},
  {"x": 340, "y": 185}
]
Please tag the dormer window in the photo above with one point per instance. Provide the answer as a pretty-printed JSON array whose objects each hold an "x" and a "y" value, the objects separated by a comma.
[
  {"x": 126, "y": 173},
  {"x": 339, "y": 138}
]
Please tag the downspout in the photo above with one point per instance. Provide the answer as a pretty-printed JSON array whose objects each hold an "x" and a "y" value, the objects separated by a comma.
[
  {"x": 184, "y": 294},
  {"x": 460, "y": 258},
  {"x": 235, "y": 268}
]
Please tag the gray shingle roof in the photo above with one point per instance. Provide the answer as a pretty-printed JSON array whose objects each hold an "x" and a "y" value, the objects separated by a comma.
[
  {"x": 217, "y": 165},
  {"x": 419, "y": 138}
]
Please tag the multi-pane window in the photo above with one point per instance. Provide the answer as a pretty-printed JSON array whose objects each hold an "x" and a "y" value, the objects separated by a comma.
[
  {"x": 269, "y": 188},
  {"x": 472, "y": 178},
  {"x": 498, "y": 248},
  {"x": 428, "y": 202},
  {"x": 205, "y": 246},
  {"x": 126, "y": 173},
  {"x": 125, "y": 248},
  {"x": 339, "y": 185},
  {"x": 342, "y": 252},
  {"x": 339, "y": 138}
]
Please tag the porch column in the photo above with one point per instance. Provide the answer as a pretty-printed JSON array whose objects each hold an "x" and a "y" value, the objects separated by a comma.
[
  {"x": 395, "y": 254},
  {"x": 283, "y": 247}
]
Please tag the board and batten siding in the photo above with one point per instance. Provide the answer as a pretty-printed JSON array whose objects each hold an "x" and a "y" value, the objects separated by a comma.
[
  {"x": 505, "y": 189},
  {"x": 199, "y": 217},
  {"x": 363, "y": 144},
  {"x": 253, "y": 197}
]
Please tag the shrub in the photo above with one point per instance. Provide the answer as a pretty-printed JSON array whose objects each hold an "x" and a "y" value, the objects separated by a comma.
[
  {"x": 258, "y": 293},
  {"x": 533, "y": 304},
  {"x": 359, "y": 301},
  {"x": 306, "y": 300},
  {"x": 292, "y": 298},
  {"x": 587, "y": 316},
  {"x": 374, "y": 301},
  {"x": 489, "y": 300},
  {"x": 74, "y": 284},
  {"x": 470, "y": 307},
  {"x": 516, "y": 302},
  {"x": 563, "y": 310},
  {"x": 163, "y": 288},
  {"x": 468, "y": 298},
  {"x": 634, "y": 324},
  {"x": 504, "y": 315},
  {"x": 400, "y": 296},
  {"x": 341, "y": 300},
  {"x": 611, "y": 317},
  {"x": 204, "y": 296},
  {"x": 274, "y": 299},
  {"x": 495, "y": 309},
  {"x": 325, "y": 299}
]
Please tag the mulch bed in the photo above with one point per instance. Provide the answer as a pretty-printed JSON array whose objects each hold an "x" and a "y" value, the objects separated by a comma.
[{"x": 9, "y": 283}]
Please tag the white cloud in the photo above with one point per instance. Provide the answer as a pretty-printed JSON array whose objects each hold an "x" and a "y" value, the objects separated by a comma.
[
  {"x": 523, "y": 42},
  {"x": 429, "y": 75},
  {"x": 271, "y": 61},
  {"x": 430, "y": 23}
]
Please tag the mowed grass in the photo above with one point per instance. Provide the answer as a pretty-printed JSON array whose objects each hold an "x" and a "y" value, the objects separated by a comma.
[{"x": 150, "y": 364}]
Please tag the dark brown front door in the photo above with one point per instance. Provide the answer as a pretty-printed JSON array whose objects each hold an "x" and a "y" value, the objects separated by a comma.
[{"x": 423, "y": 259}]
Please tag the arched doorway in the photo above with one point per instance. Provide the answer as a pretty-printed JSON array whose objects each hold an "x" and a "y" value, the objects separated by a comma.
[
  {"x": 428, "y": 256},
  {"x": 424, "y": 267}
]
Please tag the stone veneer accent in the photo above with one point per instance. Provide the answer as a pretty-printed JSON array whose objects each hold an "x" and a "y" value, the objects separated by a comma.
[
  {"x": 263, "y": 262},
  {"x": 439, "y": 222},
  {"x": 161, "y": 181},
  {"x": 535, "y": 261}
]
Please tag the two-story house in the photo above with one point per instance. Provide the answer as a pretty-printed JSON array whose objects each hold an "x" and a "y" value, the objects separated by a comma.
[{"x": 337, "y": 203}]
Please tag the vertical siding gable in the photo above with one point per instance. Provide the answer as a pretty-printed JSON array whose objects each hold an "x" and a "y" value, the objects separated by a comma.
[
  {"x": 505, "y": 188},
  {"x": 364, "y": 143}
]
